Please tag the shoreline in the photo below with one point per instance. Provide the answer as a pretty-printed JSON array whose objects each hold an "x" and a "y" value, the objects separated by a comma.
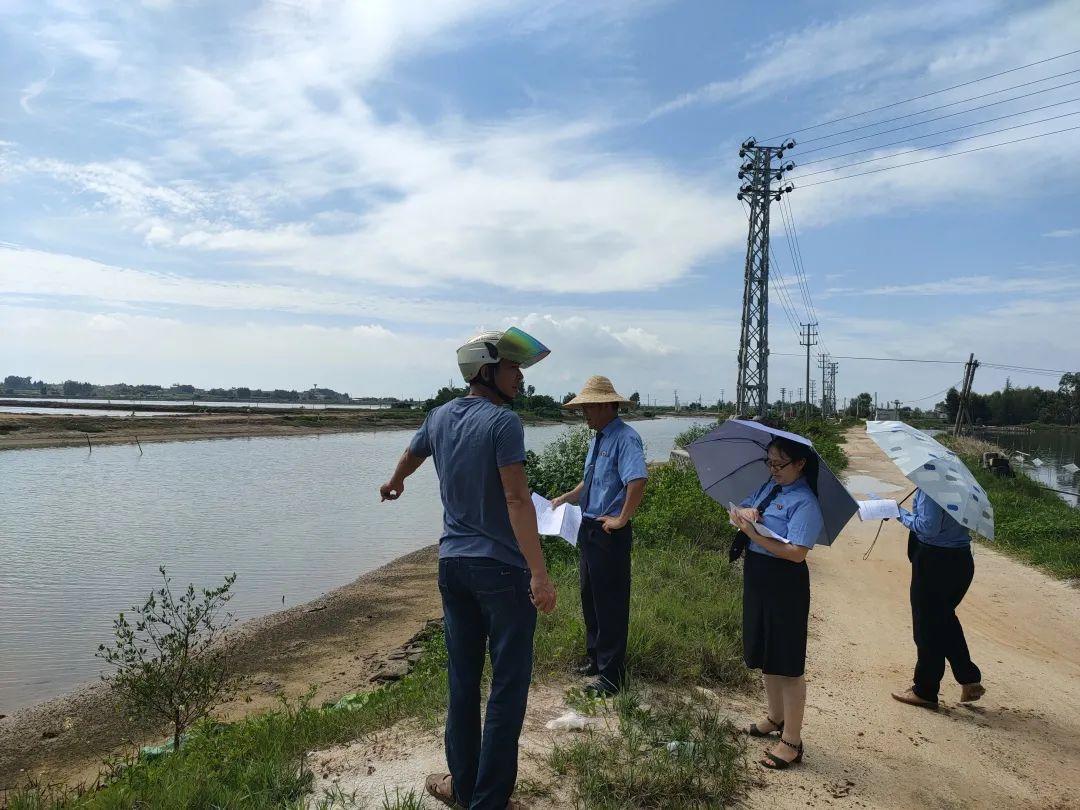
[
  {"x": 336, "y": 642},
  {"x": 20, "y": 431}
]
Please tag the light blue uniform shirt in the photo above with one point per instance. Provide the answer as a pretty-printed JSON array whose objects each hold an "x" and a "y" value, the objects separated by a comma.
[
  {"x": 621, "y": 459},
  {"x": 933, "y": 525},
  {"x": 471, "y": 438},
  {"x": 794, "y": 514}
]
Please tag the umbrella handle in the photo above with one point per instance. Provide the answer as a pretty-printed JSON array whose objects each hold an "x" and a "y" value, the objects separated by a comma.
[{"x": 866, "y": 556}]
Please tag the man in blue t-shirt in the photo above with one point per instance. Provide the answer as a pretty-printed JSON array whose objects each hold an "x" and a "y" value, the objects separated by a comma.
[
  {"x": 491, "y": 569},
  {"x": 609, "y": 493}
]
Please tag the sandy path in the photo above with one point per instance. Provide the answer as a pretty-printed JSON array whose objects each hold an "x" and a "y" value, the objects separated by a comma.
[{"x": 1018, "y": 747}]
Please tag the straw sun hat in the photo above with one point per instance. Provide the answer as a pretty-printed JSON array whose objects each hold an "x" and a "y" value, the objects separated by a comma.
[{"x": 597, "y": 390}]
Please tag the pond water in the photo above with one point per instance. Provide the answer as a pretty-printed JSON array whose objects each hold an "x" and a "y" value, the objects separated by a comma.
[
  {"x": 1056, "y": 449},
  {"x": 82, "y": 534}
]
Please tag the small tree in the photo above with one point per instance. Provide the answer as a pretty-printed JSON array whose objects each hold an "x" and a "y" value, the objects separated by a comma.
[{"x": 168, "y": 665}]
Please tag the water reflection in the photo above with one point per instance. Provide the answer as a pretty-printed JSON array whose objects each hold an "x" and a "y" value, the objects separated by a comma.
[
  {"x": 84, "y": 533},
  {"x": 1056, "y": 449}
]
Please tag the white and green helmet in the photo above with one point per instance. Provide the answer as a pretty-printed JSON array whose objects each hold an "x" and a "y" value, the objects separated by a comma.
[{"x": 488, "y": 348}]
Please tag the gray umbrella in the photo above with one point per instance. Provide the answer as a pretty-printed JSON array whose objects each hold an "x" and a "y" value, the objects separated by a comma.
[{"x": 730, "y": 463}]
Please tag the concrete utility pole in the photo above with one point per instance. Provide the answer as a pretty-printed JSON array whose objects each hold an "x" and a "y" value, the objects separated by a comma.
[
  {"x": 758, "y": 175},
  {"x": 823, "y": 364},
  {"x": 963, "y": 411},
  {"x": 808, "y": 339},
  {"x": 812, "y": 391}
]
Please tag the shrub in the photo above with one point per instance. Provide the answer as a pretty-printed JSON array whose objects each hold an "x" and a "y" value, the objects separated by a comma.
[
  {"x": 558, "y": 468},
  {"x": 168, "y": 665},
  {"x": 693, "y": 433}
]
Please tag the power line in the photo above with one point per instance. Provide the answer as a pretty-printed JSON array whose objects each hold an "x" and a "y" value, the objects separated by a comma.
[
  {"x": 927, "y": 95},
  {"x": 922, "y": 148},
  {"x": 935, "y": 394},
  {"x": 954, "y": 103},
  {"x": 941, "y": 157},
  {"x": 802, "y": 262},
  {"x": 1051, "y": 371},
  {"x": 951, "y": 129},
  {"x": 796, "y": 261},
  {"x": 884, "y": 359}
]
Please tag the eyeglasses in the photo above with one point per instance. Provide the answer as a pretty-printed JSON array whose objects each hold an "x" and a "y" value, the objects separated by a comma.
[{"x": 776, "y": 466}]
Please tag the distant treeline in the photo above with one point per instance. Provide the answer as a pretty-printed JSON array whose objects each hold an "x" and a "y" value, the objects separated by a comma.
[
  {"x": 15, "y": 386},
  {"x": 1019, "y": 406}
]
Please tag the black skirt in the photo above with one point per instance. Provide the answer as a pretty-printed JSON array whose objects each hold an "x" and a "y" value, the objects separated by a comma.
[{"x": 776, "y": 608}]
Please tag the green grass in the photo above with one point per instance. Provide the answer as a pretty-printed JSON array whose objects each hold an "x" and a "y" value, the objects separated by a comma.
[
  {"x": 1031, "y": 523},
  {"x": 686, "y": 599},
  {"x": 636, "y": 767}
]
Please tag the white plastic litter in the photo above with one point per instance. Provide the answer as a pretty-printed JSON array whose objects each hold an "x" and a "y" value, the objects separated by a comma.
[
  {"x": 1038, "y": 462},
  {"x": 677, "y": 746},
  {"x": 572, "y": 721},
  {"x": 1071, "y": 468}
]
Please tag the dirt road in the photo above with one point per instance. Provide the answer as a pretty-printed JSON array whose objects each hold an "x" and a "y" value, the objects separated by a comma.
[{"x": 1017, "y": 747}]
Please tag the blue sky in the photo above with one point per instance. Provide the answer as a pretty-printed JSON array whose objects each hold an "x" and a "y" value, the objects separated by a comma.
[{"x": 287, "y": 193}]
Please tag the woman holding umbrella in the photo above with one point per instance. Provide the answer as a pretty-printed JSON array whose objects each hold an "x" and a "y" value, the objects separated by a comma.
[{"x": 776, "y": 589}]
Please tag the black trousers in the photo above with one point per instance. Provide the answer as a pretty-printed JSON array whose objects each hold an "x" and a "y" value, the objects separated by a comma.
[
  {"x": 939, "y": 579},
  {"x": 604, "y": 568}
]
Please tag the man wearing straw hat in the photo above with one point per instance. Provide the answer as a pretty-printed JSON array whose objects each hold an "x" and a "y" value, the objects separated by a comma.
[{"x": 609, "y": 494}]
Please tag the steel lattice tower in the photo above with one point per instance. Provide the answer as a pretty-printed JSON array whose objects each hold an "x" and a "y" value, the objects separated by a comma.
[{"x": 758, "y": 174}]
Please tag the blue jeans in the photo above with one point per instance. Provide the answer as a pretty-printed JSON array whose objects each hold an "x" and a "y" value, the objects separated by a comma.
[{"x": 486, "y": 604}]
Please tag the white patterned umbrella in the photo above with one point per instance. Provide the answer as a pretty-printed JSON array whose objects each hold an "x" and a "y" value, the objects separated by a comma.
[{"x": 938, "y": 472}]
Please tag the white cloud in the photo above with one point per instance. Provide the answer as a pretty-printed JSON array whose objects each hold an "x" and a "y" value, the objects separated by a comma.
[
  {"x": 881, "y": 54},
  {"x": 968, "y": 285},
  {"x": 526, "y": 203},
  {"x": 31, "y": 92},
  {"x": 1062, "y": 233}
]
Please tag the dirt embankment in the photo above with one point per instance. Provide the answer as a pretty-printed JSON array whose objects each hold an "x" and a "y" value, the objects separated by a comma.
[
  {"x": 20, "y": 431},
  {"x": 336, "y": 643}
]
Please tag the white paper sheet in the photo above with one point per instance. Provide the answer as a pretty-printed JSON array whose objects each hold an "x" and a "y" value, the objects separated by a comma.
[
  {"x": 562, "y": 521},
  {"x": 761, "y": 528},
  {"x": 882, "y": 509}
]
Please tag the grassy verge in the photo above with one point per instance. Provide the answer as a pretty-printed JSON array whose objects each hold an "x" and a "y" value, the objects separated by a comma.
[
  {"x": 1030, "y": 523},
  {"x": 258, "y": 762}
]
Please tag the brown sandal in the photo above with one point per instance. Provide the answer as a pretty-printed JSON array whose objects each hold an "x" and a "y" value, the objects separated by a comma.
[{"x": 441, "y": 787}]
